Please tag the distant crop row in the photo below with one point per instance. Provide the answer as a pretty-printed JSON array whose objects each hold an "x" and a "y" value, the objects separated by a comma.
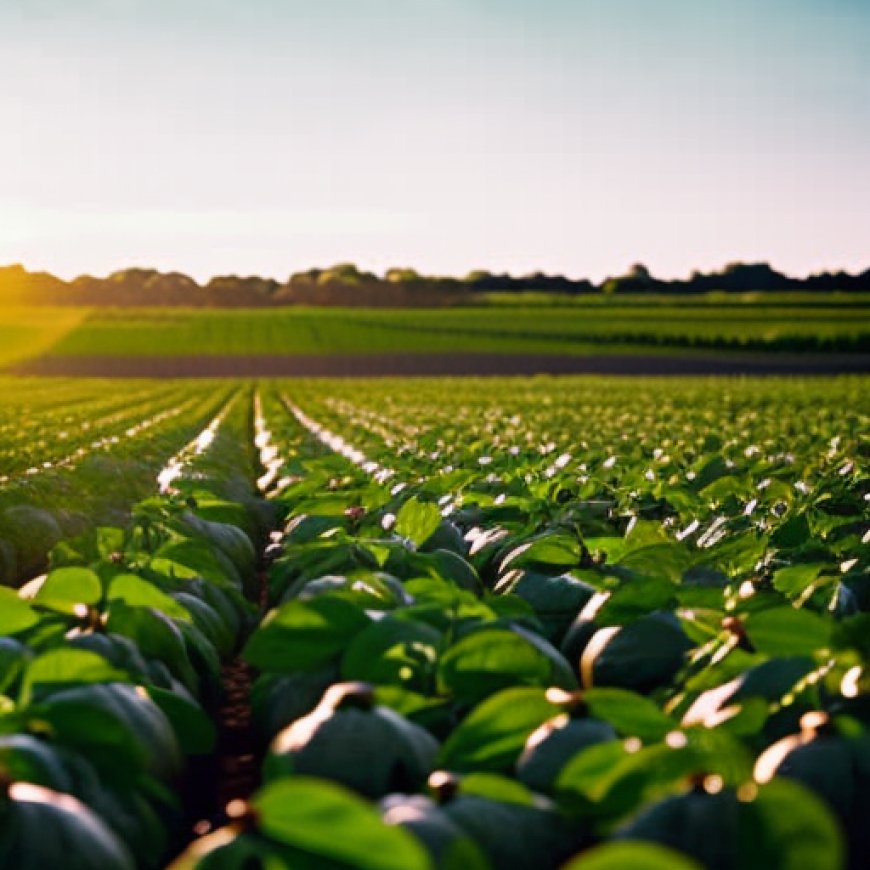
[
  {"x": 494, "y": 624},
  {"x": 570, "y": 329}
]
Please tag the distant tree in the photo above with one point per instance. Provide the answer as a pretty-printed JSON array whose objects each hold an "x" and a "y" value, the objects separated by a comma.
[
  {"x": 398, "y": 275},
  {"x": 478, "y": 276},
  {"x": 637, "y": 280},
  {"x": 345, "y": 273},
  {"x": 306, "y": 277},
  {"x": 231, "y": 290}
]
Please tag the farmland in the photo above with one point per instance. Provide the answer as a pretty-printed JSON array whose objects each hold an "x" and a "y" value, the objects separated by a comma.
[
  {"x": 785, "y": 323},
  {"x": 469, "y": 623}
]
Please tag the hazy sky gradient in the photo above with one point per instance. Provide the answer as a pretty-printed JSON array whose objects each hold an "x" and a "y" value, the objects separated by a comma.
[{"x": 267, "y": 136}]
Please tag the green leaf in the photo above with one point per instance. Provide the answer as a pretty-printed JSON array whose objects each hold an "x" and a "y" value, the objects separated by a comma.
[
  {"x": 632, "y": 856},
  {"x": 637, "y": 598},
  {"x": 65, "y": 587},
  {"x": 794, "y": 580},
  {"x": 588, "y": 776},
  {"x": 789, "y": 828},
  {"x": 136, "y": 592},
  {"x": 737, "y": 554},
  {"x": 92, "y": 546},
  {"x": 328, "y": 821},
  {"x": 304, "y": 635},
  {"x": 714, "y": 468},
  {"x": 666, "y": 560},
  {"x": 489, "y": 660},
  {"x": 497, "y": 788},
  {"x": 614, "y": 548},
  {"x": 13, "y": 659},
  {"x": 192, "y": 558},
  {"x": 785, "y": 631},
  {"x": 157, "y": 636},
  {"x": 15, "y": 615},
  {"x": 393, "y": 651},
  {"x": 614, "y": 778},
  {"x": 550, "y": 550},
  {"x": 417, "y": 521},
  {"x": 60, "y": 667},
  {"x": 494, "y": 733},
  {"x": 632, "y": 715}
]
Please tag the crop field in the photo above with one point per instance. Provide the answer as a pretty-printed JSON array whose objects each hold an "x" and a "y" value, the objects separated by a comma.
[
  {"x": 416, "y": 624},
  {"x": 533, "y": 325}
]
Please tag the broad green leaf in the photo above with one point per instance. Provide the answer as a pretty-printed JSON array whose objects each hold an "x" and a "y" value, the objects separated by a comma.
[
  {"x": 794, "y": 580},
  {"x": 614, "y": 548},
  {"x": 714, "y": 468},
  {"x": 645, "y": 533},
  {"x": 632, "y": 856},
  {"x": 489, "y": 660},
  {"x": 15, "y": 615},
  {"x": 13, "y": 659},
  {"x": 65, "y": 587},
  {"x": 494, "y": 733},
  {"x": 304, "y": 635},
  {"x": 393, "y": 651},
  {"x": 192, "y": 558},
  {"x": 417, "y": 521},
  {"x": 136, "y": 592},
  {"x": 789, "y": 828},
  {"x": 631, "y": 714},
  {"x": 497, "y": 788},
  {"x": 552, "y": 550},
  {"x": 737, "y": 554},
  {"x": 667, "y": 560},
  {"x": 92, "y": 546},
  {"x": 615, "y": 778},
  {"x": 328, "y": 821},
  {"x": 157, "y": 636},
  {"x": 786, "y": 631},
  {"x": 636, "y": 598},
  {"x": 61, "y": 667}
]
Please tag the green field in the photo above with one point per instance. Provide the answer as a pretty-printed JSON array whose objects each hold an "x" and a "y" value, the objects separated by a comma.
[
  {"x": 530, "y": 623},
  {"x": 537, "y": 325}
]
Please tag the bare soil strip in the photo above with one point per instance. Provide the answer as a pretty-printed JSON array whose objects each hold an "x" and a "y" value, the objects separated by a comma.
[
  {"x": 434, "y": 364},
  {"x": 233, "y": 771},
  {"x": 238, "y": 762}
]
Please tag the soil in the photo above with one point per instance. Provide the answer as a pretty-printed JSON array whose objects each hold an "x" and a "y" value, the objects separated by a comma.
[
  {"x": 233, "y": 771},
  {"x": 430, "y": 364}
]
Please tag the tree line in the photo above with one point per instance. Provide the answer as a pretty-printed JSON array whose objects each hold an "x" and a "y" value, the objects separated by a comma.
[{"x": 345, "y": 284}]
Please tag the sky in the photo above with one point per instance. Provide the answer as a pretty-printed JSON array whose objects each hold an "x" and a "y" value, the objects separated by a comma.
[{"x": 567, "y": 136}]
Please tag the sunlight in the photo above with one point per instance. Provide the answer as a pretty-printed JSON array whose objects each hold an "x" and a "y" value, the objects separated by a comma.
[{"x": 26, "y": 332}]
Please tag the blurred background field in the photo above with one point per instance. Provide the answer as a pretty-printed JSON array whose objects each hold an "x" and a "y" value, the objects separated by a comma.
[{"x": 531, "y": 324}]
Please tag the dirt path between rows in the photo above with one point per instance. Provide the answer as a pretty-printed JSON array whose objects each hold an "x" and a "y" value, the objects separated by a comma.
[{"x": 383, "y": 365}]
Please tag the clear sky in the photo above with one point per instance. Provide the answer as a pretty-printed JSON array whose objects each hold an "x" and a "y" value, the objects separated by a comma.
[{"x": 572, "y": 136}]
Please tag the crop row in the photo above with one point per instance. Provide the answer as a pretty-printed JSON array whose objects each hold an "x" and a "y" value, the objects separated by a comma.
[
  {"x": 111, "y": 667},
  {"x": 97, "y": 482},
  {"x": 509, "y": 624},
  {"x": 578, "y": 327},
  {"x": 35, "y": 439},
  {"x": 515, "y": 676}
]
